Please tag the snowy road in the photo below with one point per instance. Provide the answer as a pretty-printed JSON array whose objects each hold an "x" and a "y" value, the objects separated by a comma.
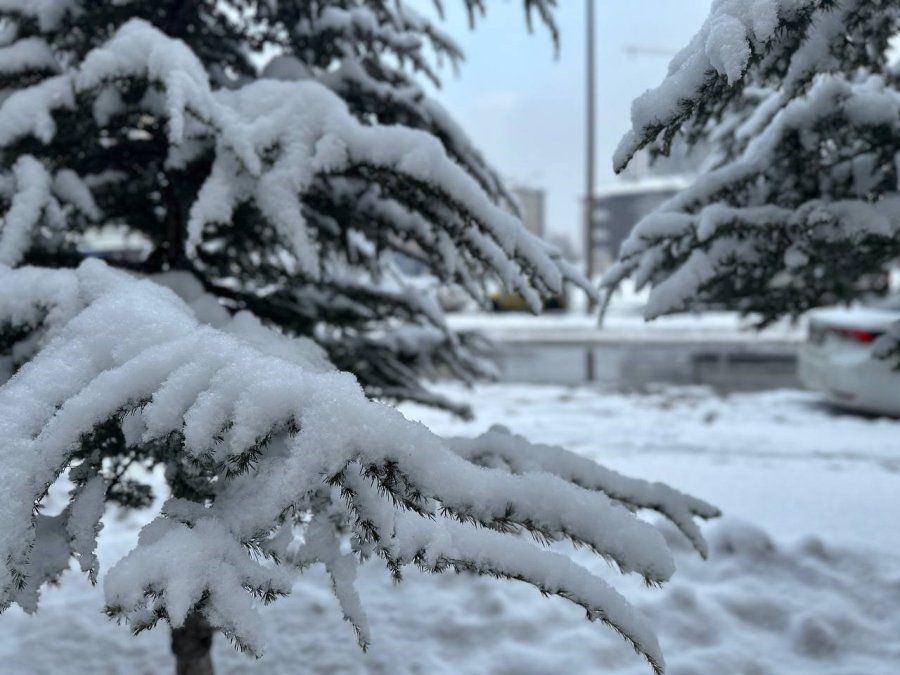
[
  {"x": 804, "y": 575},
  {"x": 716, "y": 349}
]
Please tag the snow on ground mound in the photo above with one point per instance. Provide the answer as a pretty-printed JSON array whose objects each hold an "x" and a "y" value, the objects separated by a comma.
[
  {"x": 759, "y": 607},
  {"x": 755, "y": 607},
  {"x": 803, "y": 576}
]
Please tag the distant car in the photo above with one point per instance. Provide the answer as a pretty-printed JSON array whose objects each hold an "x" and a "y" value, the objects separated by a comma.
[{"x": 837, "y": 358}]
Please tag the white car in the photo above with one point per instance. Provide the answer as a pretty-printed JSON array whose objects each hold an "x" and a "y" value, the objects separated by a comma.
[{"x": 838, "y": 360}]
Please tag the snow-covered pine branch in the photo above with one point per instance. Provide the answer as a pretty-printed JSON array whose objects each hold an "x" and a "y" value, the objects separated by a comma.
[
  {"x": 370, "y": 82},
  {"x": 712, "y": 70},
  {"x": 285, "y": 191},
  {"x": 800, "y": 206},
  {"x": 500, "y": 449},
  {"x": 262, "y": 441},
  {"x": 143, "y": 127}
]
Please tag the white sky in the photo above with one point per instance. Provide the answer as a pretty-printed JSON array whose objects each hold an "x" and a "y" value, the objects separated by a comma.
[{"x": 525, "y": 110}]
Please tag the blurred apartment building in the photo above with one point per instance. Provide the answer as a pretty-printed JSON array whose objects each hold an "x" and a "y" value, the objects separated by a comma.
[
  {"x": 532, "y": 203},
  {"x": 618, "y": 208},
  {"x": 533, "y": 207}
]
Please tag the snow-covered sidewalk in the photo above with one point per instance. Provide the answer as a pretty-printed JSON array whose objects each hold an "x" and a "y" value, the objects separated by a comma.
[
  {"x": 804, "y": 575},
  {"x": 623, "y": 325}
]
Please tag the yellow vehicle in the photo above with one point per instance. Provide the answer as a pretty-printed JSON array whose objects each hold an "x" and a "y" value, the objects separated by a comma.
[{"x": 502, "y": 301}]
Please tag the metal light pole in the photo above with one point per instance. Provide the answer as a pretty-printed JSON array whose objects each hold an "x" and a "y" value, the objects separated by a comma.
[
  {"x": 589, "y": 179},
  {"x": 589, "y": 153}
]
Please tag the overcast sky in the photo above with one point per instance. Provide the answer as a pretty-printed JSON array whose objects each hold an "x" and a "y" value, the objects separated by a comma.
[{"x": 525, "y": 109}]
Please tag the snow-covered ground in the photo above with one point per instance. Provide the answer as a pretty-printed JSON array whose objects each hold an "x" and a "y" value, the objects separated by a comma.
[{"x": 804, "y": 575}]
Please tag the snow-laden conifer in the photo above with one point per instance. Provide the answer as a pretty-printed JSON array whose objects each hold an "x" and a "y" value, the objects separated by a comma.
[
  {"x": 262, "y": 440},
  {"x": 799, "y": 206},
  {"x": 172, "y": 123},
  {"x": 239, "y": 358}
]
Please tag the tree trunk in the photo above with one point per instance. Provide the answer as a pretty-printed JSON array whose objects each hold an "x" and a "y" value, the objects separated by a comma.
[{"x": 191, "y": 645}]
